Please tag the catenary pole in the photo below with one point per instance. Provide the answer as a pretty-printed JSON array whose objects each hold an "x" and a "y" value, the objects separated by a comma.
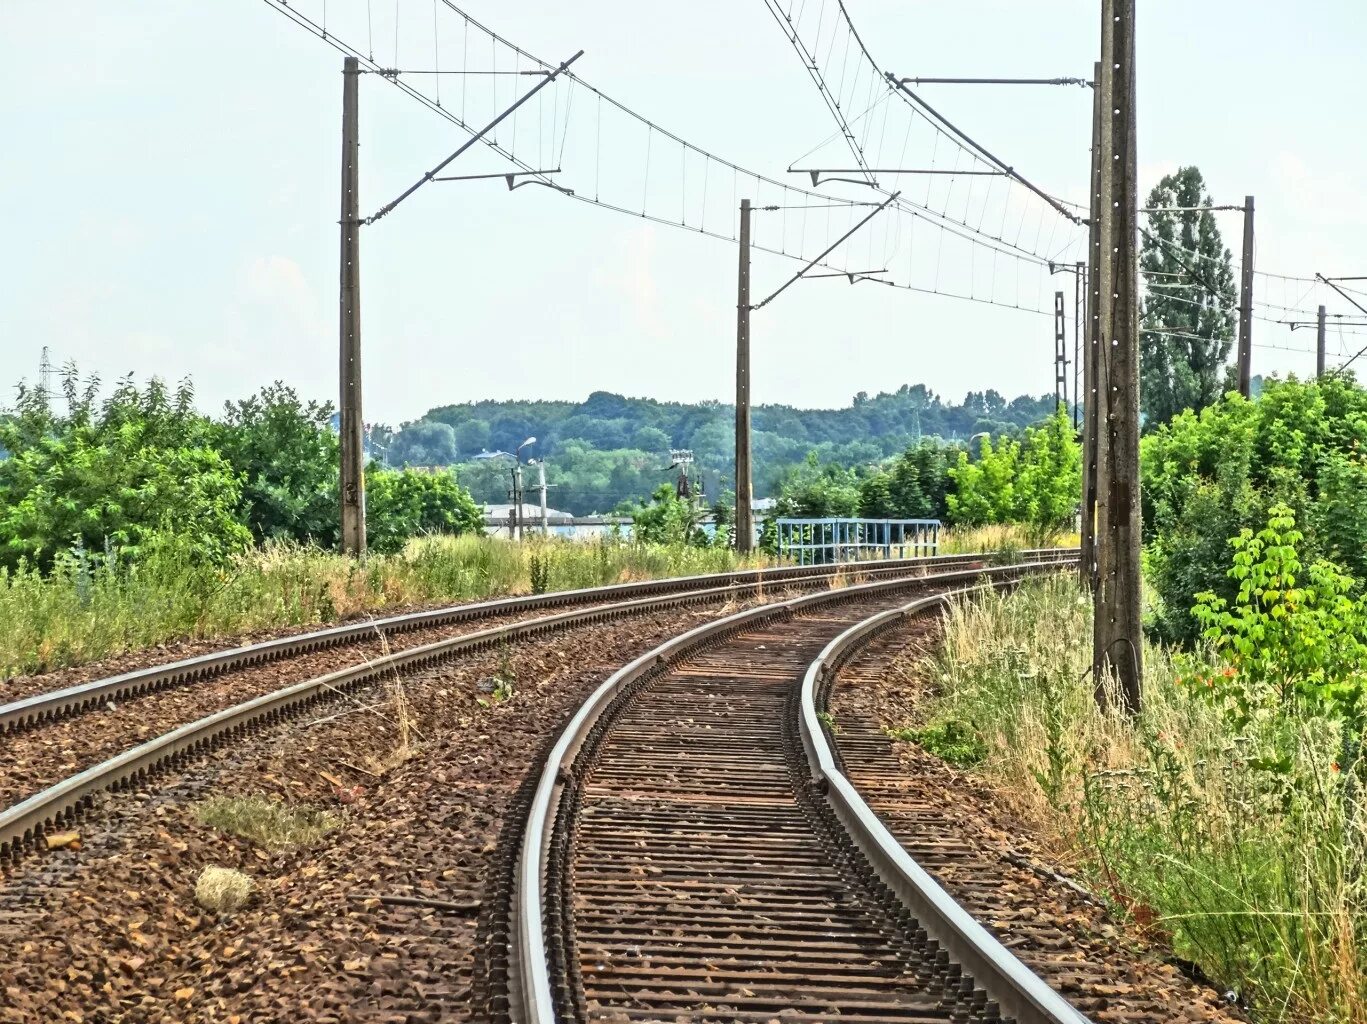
[
  {"x": 1093, "y": 398},
  {"x": 1117, "y": 615},
  {"x": 352, "y": 482},
  {"x": 1319, "y": 344},
  {"x": 1246, "y": 304},
  {"x": 745, "y": 529},
  {"x": 1060, "y": 354}
]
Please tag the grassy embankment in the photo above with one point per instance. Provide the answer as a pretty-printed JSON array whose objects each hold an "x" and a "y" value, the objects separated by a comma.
[
  {"x": 79, "y": 614},
  {"x": 73, "y": 616},
  {"x": 1242, "y": 844}
]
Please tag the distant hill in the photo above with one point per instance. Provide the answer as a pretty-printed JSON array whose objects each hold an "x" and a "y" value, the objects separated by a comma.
[{"x": 610, "y": 448}]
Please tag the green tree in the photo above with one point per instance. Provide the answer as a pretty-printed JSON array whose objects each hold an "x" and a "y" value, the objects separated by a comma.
[
  {"x": 1188, "y": 323},
  {"x": 424, "y": 443},
  {"x": 985, "y": 491},
  {"x": 1049, "y": 479},
  {"x": 472, "y": 437},
  {"x": 406, "y": 503},
  {"x": 650, "y": 439},
  {"x": 667, "y": 519},
  {"x": 814, "y": 490},
  {"x": 287, "y": 456},
  {"x": 114, "y": 476}
]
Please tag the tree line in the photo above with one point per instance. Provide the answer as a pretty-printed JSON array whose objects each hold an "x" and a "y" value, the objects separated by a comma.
[{"x": 113, "y": 476}]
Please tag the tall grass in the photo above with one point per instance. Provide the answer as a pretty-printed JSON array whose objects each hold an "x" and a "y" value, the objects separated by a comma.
[
  {"x": 88, "y": 609},
  {"x": 1004, "y": 538},
  {"x": 1244, "y": 848}
]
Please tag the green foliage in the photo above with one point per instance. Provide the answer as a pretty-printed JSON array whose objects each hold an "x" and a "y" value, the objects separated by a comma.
[
  {"x": 668, "y": 519},
  {"x": 950, "y": 740},
  {"x": 1050, "y": 478},
  {"x": 401, "y": 504},
  {"x": 609, "y": 449},
  {"x": 815, "y": 491},
  {"x": 287, "y": 456},
  {"x": 431, "y": 444},
  {"x": 915, "y": 486},
  {"x": 1293, "y": 638},
  {"x": 113, "y": 475},
  {"x": 1207, "y": 477},
  {"x": 1188, "y": 323},
  {"x": 1035, "y": 481},
  {"x": 985, "y": 490}
]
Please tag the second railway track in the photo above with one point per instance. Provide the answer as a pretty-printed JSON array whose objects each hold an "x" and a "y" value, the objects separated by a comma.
[{"x": 134, "y": 756}]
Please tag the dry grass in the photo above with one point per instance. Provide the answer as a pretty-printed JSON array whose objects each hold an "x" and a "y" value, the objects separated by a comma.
[
  {"x": 222, "y": 890},
  {"x": 267, "y": 823},
  {"x": 1255, "y": 873},
  {"x": 83, "y": 613},
  {"x": 1005, "y": 537}
]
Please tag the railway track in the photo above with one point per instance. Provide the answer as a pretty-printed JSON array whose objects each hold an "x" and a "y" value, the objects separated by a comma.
[
  {"x": 693, "y": 851},
  {"x": 35, "y": 709},
  {"x": 24, "y": 822}
]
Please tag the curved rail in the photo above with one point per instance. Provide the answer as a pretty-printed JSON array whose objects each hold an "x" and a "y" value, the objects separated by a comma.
[
  {"x": 30, "y": 711},
  {"x": 21, "y": 823},
  {"x": 533, "y": 996},
  {"x": 1020, "y": 992}
]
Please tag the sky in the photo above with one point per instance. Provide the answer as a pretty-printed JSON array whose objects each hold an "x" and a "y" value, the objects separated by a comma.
[{"x": 170, "y": 177}]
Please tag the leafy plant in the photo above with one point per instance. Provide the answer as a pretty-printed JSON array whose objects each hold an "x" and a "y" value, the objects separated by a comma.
[
  {"x": 950, "y": 740},
  {"x": 1293, "y": 638}
]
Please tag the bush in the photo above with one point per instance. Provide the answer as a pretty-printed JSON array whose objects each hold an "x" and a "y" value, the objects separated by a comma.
[
  {"x": 951, "y": 740},
  {"x": 109, "y": 477},
  {"x": 406, "y": 503},
  {"x": 1207, "y": 477}
]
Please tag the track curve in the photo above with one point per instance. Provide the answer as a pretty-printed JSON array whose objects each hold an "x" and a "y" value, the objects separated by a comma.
[{"x": 681, "y": 860}]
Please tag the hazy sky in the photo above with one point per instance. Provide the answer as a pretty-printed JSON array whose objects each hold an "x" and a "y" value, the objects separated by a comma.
[{"x": 169, "y": 175}]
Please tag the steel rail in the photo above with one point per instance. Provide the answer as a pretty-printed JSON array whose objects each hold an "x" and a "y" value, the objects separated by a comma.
[
  {"x": 22, "y": 823},
  {"x": 1021, "y": 993},
  {"x": 30, "y": 711},
  {"x": 532, "y": 996}
]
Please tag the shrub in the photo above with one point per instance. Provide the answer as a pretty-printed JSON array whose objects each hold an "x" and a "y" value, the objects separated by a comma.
[
  {"x": 1302, "y": 444},
  {"x": 222, "y": 890}
]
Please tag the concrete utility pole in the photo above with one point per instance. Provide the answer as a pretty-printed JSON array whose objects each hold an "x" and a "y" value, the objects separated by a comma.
[
  {"x": 1246, "y": 305},
  {"x": 1117, "y": 612},
  {"x": 745, "y": 527},
  {"x": 1319, "y": 345},
  {"x": 1093, "y": 397},
  {"x": 1060, "y": 354},
  {"x": 515, "y": 508},
  {"x": 349, "y": 406},
  {"x": 541, "y": 482}
]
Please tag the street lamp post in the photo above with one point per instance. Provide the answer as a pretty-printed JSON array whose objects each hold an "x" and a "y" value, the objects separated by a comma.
[{"x": 515, "y": 519}]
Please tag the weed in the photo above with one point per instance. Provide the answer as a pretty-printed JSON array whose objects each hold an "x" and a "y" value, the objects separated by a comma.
[
  {"x": 828, "y": 721},
  {"x": 267, "y": 823},
  {"x": 951, "y": 740},
  {"x": 539, "y": 566},
  {"x": 222, "y": 890}
]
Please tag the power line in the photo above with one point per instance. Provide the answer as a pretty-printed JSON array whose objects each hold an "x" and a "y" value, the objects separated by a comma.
[{"x": 698, "y": 187}]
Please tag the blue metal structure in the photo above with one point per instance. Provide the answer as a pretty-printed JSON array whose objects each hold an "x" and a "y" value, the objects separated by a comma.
[{"x": 824, "y": 541}]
